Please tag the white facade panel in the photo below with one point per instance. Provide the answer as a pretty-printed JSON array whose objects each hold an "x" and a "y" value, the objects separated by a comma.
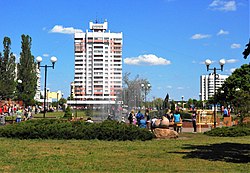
[{"x": 207, "y": 88}]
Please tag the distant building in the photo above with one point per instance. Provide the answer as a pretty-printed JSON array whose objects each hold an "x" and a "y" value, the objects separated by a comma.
[
  {"x": 51, "y": 96},
  {"x": 207, "y": 89},
  {"x": 98, "y": 66}
]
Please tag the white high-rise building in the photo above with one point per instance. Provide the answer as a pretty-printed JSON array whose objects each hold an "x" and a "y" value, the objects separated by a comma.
[
  {"x": 98, "y": 66},
  {"x": 207, "y": 89}
]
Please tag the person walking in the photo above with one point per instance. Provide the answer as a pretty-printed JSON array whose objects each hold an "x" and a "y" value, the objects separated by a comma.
[
  {"x": 139, "y": 116},
  {"x": 1, "y": 110},
  {"x": 194, "y": 115},
  {"x": 177, "y": 121},
  {"x": 143, "y": 123},
  {"x": 148, "y": 119},
  {"x": 225, "y": 112},
  {"x": 5, "y": 110},
  {"x": 130, "y": 117}
]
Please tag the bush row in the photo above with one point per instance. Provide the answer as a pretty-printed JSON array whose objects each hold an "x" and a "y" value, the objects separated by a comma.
[
  {"x": 59, "y": 129},
  {"x": 229, "y": 131}
]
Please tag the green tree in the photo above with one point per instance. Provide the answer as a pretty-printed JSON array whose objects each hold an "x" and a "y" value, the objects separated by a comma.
[
  {"x": 166, "y": 102},
  {"x": 27, "y": 72},
  {"x": 62, "y": 101},
  {"x": 239, "y": 80},
  {"x": 247, "y": 50},
  {"x": 236, "y": 90},
  {"x": 158, "y": 103},
  {"x": 7, "y": 71}
]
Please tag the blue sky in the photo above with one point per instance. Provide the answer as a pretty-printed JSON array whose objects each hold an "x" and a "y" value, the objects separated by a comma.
[{"x": 177, "y": 36}]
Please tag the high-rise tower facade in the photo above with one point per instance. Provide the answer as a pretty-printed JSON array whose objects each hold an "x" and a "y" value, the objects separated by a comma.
[
  {"x": 98, "y": 65},
  {"x": 207, "y": 88}
]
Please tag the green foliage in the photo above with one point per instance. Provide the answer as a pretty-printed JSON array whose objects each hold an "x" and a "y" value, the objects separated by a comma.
[
  {"x": 159, "y": 103},
  {"x": 60, "y": 129},
  {"x": 185, "y": 115},
  {"x": 67, "y": 113},
  {"x": 195, "y": 103},
  {"x": 27, "y": 72},
  {"x": 89, "y": 112},
  {"x": 239, "y": 80},
  {"x": 229, "y": 131},
  {"x": 236, "y": 91},
  {"x": 7, "y": 71},
  {"x": 247, "y": 50},
  {"x": 62, "y": 101}
]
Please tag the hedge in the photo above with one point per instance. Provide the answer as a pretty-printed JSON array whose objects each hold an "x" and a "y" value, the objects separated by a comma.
[
  {"x": 59, "y": 129},
  {"x": 233, "y": 131}
]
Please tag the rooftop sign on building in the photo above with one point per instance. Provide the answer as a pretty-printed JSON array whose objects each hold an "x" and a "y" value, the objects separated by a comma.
[{"x": 98, "y": 26}]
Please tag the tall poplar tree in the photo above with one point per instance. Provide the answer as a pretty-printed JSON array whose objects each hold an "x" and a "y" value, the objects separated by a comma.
[
  {"x": 26, "y": 72},
  {"x": 7, "y": 71}
]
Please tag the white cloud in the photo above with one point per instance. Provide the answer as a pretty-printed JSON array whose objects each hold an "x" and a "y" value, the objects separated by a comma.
[
  {"x": 230, "y": 61},
  {"x": 146, "y": 60},
  {"x": 200, "y": 36},
  {"x": 64, "y": 30},
  {"x": 169, "y": 87},
  {"x": 46, "y": 55},
  {"x": 223, "y": 5},
  {"x": 235, "y": 46},
  {"x": 222, "y": 32}
]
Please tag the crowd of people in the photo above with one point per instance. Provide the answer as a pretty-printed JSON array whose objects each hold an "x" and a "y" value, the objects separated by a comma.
[
  {"x": 173, "y": 118},
  {"x": 20, "y": 113}
]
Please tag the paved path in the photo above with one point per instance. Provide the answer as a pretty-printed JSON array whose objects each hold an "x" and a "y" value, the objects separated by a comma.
[{"x": 199, "y": 130}]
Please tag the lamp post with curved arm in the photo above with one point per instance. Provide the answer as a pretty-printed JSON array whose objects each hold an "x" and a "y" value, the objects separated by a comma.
[
  {"x": 53, "y": 60},
  {"x": 208, "y": 62}
]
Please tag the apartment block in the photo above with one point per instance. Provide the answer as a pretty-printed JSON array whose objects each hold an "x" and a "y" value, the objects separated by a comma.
[
  {"x": 98, "y": 65},
  {"x": 207, "y": 88}
]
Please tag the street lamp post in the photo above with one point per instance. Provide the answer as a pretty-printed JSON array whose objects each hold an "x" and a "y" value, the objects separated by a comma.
[
  {"x": 145, "y": 87},
  {"x": 53, "y": 60},
  {"x": 182, "y": 97},
  {"x": 208, "y": 62}
]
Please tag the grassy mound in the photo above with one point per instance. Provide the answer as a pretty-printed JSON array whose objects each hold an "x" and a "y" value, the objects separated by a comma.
[{"x": 59, "y": 129}]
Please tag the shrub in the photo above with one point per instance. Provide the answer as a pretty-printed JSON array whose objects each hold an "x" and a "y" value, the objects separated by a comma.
[
  {"x": 67, "y": 113},
  {"x": 186, "y": 116},
  {"x": 61, "y": 129},
  {"x": 229, "y": 131}
]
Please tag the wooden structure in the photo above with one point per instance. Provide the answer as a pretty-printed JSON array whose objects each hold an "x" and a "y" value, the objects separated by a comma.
[{"x": 205, "y": 118}]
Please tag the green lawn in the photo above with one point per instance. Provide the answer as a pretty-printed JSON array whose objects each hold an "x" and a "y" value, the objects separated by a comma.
[{"x": 189, "y": 153}]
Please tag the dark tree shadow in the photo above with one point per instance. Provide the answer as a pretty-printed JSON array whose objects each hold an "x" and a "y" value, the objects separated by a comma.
[{"x": 227, "y": 152}]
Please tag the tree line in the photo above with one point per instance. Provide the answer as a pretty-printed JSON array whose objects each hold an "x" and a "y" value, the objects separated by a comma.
[{"x": 18, "y": 77}]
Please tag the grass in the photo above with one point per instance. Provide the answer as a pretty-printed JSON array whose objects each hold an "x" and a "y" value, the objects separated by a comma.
[
  {"x": 59, "y": 114},
  {"x": 189, "y": 153},
  {"x": 56, "y": 114}
]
